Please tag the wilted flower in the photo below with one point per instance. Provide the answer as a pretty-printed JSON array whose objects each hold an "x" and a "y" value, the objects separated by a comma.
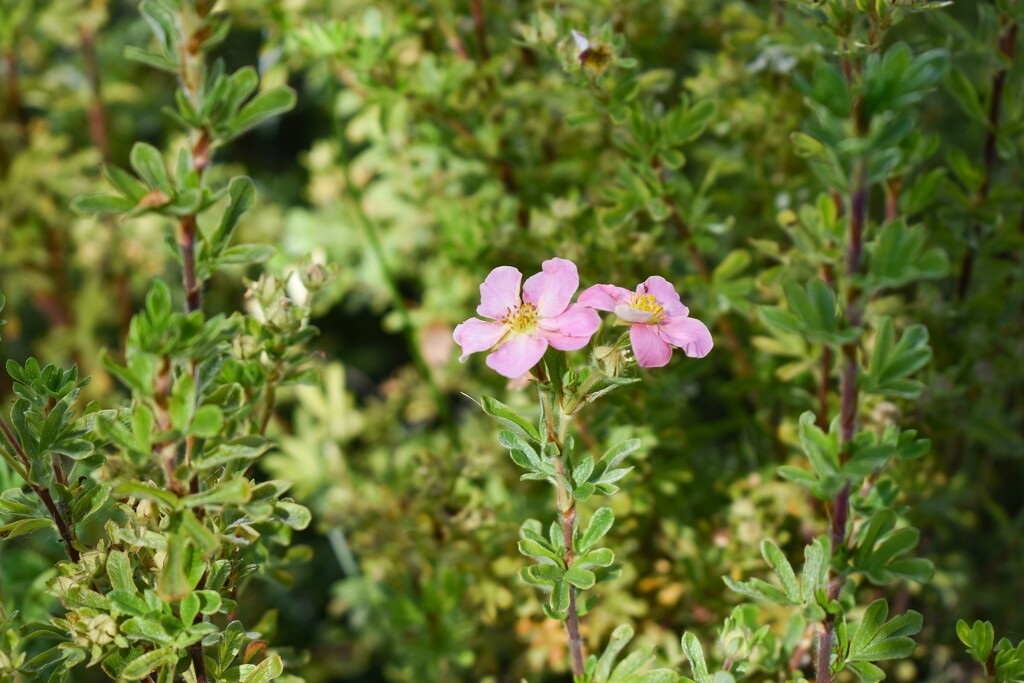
[
  {"x": 657, "y": 320},
  {"x": 595, "y": 57},
  {"x": 522, "y": 327},
  {"x": 99, "y": 629}
]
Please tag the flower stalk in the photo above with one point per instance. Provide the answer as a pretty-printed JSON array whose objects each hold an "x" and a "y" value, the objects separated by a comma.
[{"x": 567, "y": 512}]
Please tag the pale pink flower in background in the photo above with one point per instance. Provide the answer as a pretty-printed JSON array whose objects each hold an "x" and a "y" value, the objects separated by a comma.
[
  {"x": 657, "y": 320},
  {"x": 522, "y": 327},
  {"x": 582, "y": 45}
]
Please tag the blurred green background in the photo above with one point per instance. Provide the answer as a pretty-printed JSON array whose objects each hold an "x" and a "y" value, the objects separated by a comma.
[{"x": 476, "y": 141}]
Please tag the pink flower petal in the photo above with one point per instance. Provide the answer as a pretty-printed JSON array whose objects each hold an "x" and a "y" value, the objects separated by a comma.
[
  {"x": 651, "y": 350},
  {"x": 572, "y": 330},
  {"x": 664, "y": 293},
  {"x": 517, "y": 355},
  {"x": 477, "y": 335},
  {"x": 551, "y": 289},
  {"x": 689, "y": 334},
  {"x": 628, "y": 314},
  {"x": 604, "y": 297},
  {"x": 499, "y": 292},
  {"x": 582, "y": 44}
]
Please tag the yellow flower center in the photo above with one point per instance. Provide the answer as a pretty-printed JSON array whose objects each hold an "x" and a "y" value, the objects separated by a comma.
[
  {"x": 522, "y": 319},
  {"x": 648, "y": 304}
]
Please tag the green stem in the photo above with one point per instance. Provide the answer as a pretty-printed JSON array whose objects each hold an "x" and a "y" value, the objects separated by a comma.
[{"x": 567, "y": 513}]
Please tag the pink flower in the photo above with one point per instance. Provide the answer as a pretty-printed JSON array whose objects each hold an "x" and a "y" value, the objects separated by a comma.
[
  {"x": 522, "y": 328},
  {"x": 657, "y": 320}
]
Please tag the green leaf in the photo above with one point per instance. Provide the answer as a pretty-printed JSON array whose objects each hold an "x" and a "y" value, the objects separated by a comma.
[
  {"x": 814, "y": 576},
  {"x": 269, "y": 669},
  {"x": 580, "y": 577},
  {"x": 261, "y": 108},
  {"x": 119, "y": 571},
  {"x": 25, "y": 526},
  {"x": 892, "y": 363},
  {"x": 45, "y": 659},
  {"x": 732, "y": 266},
  {"x": 242, "y": 194},
  {"x": 247, "y": 447},
  {"x": 172, "y": 584},
  {"x": 537, "y": 551},
  {"x": 294, "y": 515},
  {"x": 899, "y": 256},
  {"x": 141, "y": 666},
  {"x": 124, "y": 602},
  {"x": 523, "y": 454},
  {"x": 916, "y": 569},
  {"x": 124, "y": 182},
  {"x": 616, "y": 454},
  {"x": 152, "y": 59},
  {"x": 189, "y": 609},
  {"x": 822, "y": 450},
  {"x": 600, "y": 523},
  {"x": 246, "y": 254},
  {"x": 631, "y": 664},
  {"x": 866, "y": 671},
  {"x": 211, "y": 601},
  {"x": 690, "y": 122},
  {"x": 618, "y": 641},
  {"x": 601, "y": 557},
  {"x": 149, "y": 164},
  {"x": 207, "y": 422},
  {"x": 978, "y": 639},
  {"x": 559, "y": 599},
  {"x": 510, "y": 418},
  {"x": 232, "y": 492},
  {"x": 199, "y": 533},
  {"x": 133, "y": 489},
  {"x": 138, "y": 628},
  {"x": 101, "y": 203},
  {"x": 759, "y": 590},
  {"x": 655, "y": 676},
  {"x": 966, "y": 95},
  {"x": 582, "y": 471},
  {"x": 775, "y": 558},
  {"x": 541, "y": 575},
  {"x": 695, "y": 653},
  {"x": 877, "y": 639}
]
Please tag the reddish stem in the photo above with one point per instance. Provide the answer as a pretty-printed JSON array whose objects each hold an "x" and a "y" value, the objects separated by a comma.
[
  {"x": 1007, "y": 43},
  {"x": 67, "y": 533},
  {"x": 480, "y": 25}
]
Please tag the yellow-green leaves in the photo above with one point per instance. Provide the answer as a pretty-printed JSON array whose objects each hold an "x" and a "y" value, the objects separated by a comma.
[{"x": 172, "y": 583}]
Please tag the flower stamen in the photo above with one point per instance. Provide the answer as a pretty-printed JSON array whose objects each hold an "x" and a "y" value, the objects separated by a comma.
[
  {"x": 522, "y": 319},
  {"x": 648, "y": 304}
]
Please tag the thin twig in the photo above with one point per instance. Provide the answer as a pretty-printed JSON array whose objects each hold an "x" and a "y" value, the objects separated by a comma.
[
  {"x": 191, "y": 81},
  {"x": 1007, "y": 43},
  {"x": 67, "y": 532},
  {"x": 825, "y": 388},
  {"x": 14, "y": 94},
  {"x": 568, "y": 522},
  {"x": 97, "y": 115},
  {"x": 480, "y": 26}
]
